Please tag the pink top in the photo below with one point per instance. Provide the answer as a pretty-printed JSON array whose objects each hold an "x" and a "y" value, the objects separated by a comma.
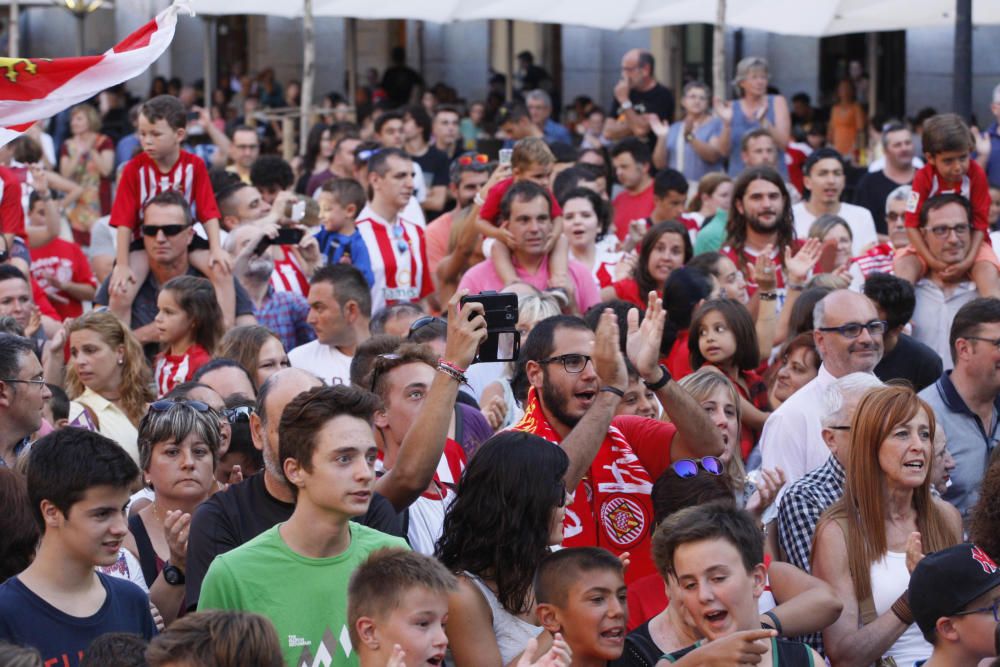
[{"x": 483, "y": 276}]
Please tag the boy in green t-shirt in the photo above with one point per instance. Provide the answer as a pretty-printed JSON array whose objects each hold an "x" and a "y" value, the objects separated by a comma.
[{"x": 296, "y": 574}]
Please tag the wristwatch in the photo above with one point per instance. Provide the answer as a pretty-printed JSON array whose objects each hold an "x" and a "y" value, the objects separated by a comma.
[
  {"x": 173, "y": 575},
  {"x": 626, "y": 105},
  {"x": 689, "y": 137},
  {"x": 659, "y": 384}
]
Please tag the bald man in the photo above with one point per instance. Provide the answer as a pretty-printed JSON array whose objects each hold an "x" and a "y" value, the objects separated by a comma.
[{"x": 636, "y": 94}]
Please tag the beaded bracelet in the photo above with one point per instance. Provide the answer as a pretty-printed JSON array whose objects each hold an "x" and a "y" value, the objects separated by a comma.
[{"x": 452, "y": 373}]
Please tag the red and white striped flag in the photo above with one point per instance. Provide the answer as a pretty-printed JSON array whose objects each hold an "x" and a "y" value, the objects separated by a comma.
[{"x": 33, "y": 89}]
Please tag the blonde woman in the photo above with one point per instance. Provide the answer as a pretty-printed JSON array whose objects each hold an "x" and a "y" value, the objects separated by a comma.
[{"x": 107, "y": 377}]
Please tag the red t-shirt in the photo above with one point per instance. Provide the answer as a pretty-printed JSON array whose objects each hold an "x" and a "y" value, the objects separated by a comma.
[
  {"x": 974, "y": 186},
  {"x": 66, "y": 262},
  {"x": 627, "y": 289},
  {"x": 490, "y": 210},
  {"x": 629, "y": 207},
  {"x": 42, "y": 300},
  {"x": 173, "y": 369},
  {"x": 678, "y": 362},
  {"x": 11, "y": 210},
  {"x": 141, "y": 180}
]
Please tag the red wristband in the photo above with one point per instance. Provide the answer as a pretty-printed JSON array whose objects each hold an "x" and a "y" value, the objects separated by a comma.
[{"x": 454, "y": 367}]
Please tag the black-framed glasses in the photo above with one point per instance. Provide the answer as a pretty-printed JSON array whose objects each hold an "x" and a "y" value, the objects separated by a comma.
[
  {"x": 943, "y": 231},
  {"x": 838, "y": 428},
  {"x": 853, "y": 329},
  {"x": 422, "y": 322},
  {"x": 168, "y": 230},
  {"x": 991, "y": 341},
  {"x": 378, "y": 367},
  {"x": 993, "y": 608},
  {"x": 572, "y": 363},
  {"x": 168, "y": 404},
  {"x": 687, "y": 468},
  {"x": 239, "y": 414}
]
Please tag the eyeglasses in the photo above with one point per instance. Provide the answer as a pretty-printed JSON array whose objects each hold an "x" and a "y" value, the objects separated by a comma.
[
  {"x": 944, "y": 231},
  {"x": 168, "y": 404},
  {"x": 572, "y": 363},
  {"x": 470, "y": 158},
  {"x": 378, "y": 367},
  {"x": 993, "y": 608},
  {"x": 38, "y": 381},
  {"x": 853, "y": 329},
  {"x": 238, "y": 415},
  {"x": 168, "y": 230},
  {"x": 422, "y": 322},
  {"x": 838, "y": 428},
  {"x": 687, "y": 468},
  {"x": 991, "y": 341}
]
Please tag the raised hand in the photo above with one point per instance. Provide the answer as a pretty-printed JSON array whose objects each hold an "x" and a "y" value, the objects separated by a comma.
[
  {"x": 914, "y": 551},
  {"x": 177, "y": 526},
  {"x": 609, "y": 363},
  {"x": 643, "y": 341},
  {"x": 466, "y": 330},
  {"x": 799, "y": 264},
  {"x": 723, "y": 109},
  {"x": 559, "y": 655},
  {"x": 762, "y": 271},
  {"x": 657, "y": 125},
  {"x": 768, "y": 485}
]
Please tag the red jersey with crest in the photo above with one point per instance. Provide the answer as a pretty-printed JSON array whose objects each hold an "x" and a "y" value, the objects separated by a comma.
[{"x": 173, "y": 369}]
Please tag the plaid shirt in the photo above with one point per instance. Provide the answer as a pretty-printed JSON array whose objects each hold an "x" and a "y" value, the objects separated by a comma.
[
  {"x": 285, "y": 314},
  {"x": 801, "y": 507}
]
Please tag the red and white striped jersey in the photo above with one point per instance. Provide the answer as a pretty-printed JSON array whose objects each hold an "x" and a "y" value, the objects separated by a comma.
[
  {"x": 141, "y": 180},
  {"x": 288, "y": 275},
  {"x": 398, "y": 256},
  {"x": 174, "y": 369}
]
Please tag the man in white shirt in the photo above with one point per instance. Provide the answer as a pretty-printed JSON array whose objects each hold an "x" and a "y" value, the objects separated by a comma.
[
  {"x": 340, "y": 307},
  {"x": 824, "y": 179},
  {"x": 848, "y": 337}
]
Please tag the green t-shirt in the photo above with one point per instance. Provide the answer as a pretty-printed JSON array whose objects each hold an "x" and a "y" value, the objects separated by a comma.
[
  {"x": 712, "y": 235},
  {"x": 305, "y": 598}
]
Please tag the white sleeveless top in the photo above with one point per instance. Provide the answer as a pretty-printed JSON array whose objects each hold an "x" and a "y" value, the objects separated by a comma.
[
  {"x": 512, "y": 632},
  {"x": 889, "y": 579}
]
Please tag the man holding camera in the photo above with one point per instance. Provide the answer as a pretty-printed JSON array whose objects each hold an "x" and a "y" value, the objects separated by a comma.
[{"x": 526, "y": 212}]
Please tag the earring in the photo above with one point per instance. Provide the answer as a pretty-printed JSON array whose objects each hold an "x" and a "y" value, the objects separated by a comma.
[{"x": 121, "y": 362}]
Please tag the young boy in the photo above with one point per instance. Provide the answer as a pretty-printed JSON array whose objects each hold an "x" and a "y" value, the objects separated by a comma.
[
  {"x": 947, "y": 143},
  {"x": 531, "y": 161},
  {"x": 78, "y": 486},
  {"x": 716, "y": 554},
  {"x": 164, "y": 166},
  {"x": 954, "y": 596},
  {"x": 340, "y": 200},
  {"x": 581, "y": 593},
  {"x": 388, "y": 594},
  {"x": 296, "y": 573}
]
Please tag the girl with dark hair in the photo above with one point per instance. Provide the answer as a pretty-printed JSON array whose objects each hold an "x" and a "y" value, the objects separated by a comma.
[
  {"x": 725, "y": 339},
  {"x": 664, "y": 248},
  {"x": 257, "y": 349},
  {"x": 683, "y": 292},
  {"x": 319, "y": 153},
  {"x": 509, "y": 511},
  {"x": 189, "y": 326},
  {"x": 586, "y": 218}
]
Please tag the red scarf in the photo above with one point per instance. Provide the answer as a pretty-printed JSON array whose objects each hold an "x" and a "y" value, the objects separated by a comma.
[{"x": 612, "y": 507}]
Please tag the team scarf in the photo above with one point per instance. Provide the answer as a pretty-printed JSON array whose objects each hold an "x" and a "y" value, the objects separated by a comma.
[{"x": 612, "y": 506}]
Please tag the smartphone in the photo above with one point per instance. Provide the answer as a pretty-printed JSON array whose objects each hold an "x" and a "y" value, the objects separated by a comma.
[
  {"x": 295, "y": 211},
  {"x": 286, "y": 236},
  {"x": 505, "y": 156},
  {"x": 503, "y": 341},
  {"x": 192, "y": 116}
]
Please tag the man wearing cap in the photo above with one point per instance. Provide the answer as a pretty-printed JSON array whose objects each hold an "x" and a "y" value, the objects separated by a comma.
[{"x": 954, "y": 595}]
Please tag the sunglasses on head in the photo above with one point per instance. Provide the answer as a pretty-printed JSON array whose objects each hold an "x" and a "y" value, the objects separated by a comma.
[
  {"x": 687, "y": 468},
  {"x": 470, "y": 158},
  {"x": 422, "y": 322},
  {"x": 378, "y": 367},
  {"x": 238, "y": 415},
  {"x": 168, "y": 404},
  {"x": 168, "y": 230}
]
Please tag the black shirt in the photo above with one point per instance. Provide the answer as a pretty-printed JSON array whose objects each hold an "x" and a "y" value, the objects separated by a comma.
[
  {"x": 235, "y": 516},
  {"x": 871, "y": 192},
  {"x": 910, "y": 360},
  {"x": 658, "y": 100}
]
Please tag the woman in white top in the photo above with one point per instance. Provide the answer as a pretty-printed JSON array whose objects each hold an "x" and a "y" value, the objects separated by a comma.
[
  {"x": 870, "y": 540},
  {"x": 586, "y": 219},
  {"x": 107, "y": 377},
  {"x": 509, "y": 512}
]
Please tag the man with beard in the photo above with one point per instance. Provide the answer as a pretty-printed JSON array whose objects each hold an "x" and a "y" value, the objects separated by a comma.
[
  {"x": 576, "y": 381},
  {"x": 848, "y": 336},
  {"x": 284, "y": 313},
  {"x": 761, "y": 217},
  {"x": 874, "y": 187}
]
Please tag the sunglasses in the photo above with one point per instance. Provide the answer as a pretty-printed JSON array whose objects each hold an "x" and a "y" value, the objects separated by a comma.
[
  {"x": 470, "y": 158},
  {"x": 168, "y": 404},
  {"x": 398, "y": 236},
  {"x": 378, "y": 367},
  {"x": 422, "y": 322},
  {"x": 238, "y": 415},
  {"x": 687, "y": 468},
  {"x": 168, "y": 230}
]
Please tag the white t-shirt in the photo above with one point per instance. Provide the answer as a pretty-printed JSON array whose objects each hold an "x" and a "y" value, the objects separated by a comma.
[
  {"x": 325, "y": 361},
  {"x": 858, "y": 217}
]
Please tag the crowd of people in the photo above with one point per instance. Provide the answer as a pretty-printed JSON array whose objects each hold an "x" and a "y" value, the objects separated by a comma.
[{"x": 243, "y": 419}]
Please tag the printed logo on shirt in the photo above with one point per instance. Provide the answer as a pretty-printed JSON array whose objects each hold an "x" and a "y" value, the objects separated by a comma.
[
  {"x": 401, "y": 294},
  {"x": 295, "y": 640},
  {"x": 913, "y": 203},
  {"x": 624, "y": 520}
]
